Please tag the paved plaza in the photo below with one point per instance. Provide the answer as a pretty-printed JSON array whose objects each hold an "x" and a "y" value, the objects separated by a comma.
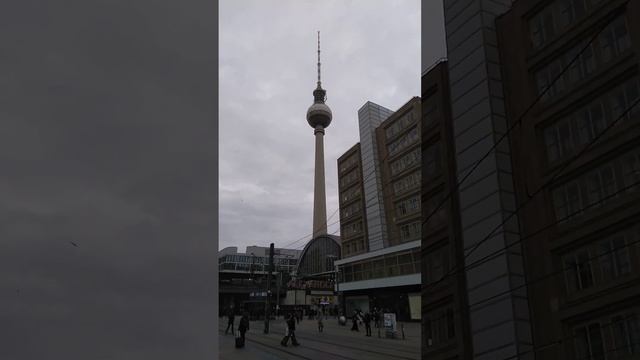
[{"x": 336, "y": 342}]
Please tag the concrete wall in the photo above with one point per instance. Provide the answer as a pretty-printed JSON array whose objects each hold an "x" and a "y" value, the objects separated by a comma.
[
  {"x": 500, "y": 328},
  {"x": 370, "y": 116}
]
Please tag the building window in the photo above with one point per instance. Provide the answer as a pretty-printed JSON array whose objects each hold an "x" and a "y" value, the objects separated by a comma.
[
  {"x": 439, "y": 326},
  {"x": 403, "y": 142},
  {"x": 408, "y": 182},
  {"x": 626, "y": 335},
  {"x": 406, "y": 265},
  {"x": 581, "y": 127},
  {"x": 622, "y": 98},
  {"x": 432, "y": 161},
  {"x": 614, "y": 258},
  {"x": 542, "y": 27},
  {"x": 409, "y": 232},
  {"x": 631, "y": 171},
  {"x": 589, "y": 342},
  {"x": 601, "y": 185},
  {"x": 430, "y": 112},
  {"x": 614, "y": 40},
  {"x": 378, "y": 268},
  {"x": 349, "y": 178},
  {"x": 350, "y": 194},
  {"x": 578, "y": 271},
  {"x": 400, "y": 124},
  {"x": 570, "y": 11},
  {"x": 437, "y": 264},
  {"x": 408, "y": 206},
  {"x": 407, "y": 161}
]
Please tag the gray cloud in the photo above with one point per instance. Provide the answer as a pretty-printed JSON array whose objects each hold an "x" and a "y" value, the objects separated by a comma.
[{"x": 108, "y": 142}]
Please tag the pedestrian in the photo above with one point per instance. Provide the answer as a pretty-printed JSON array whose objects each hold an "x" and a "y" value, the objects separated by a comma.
[
  {"x": 231, "y": 317},
  {"x": 367, "y": 323},
  {"x": 290, "y": 332},
  {"x": 354, "y": 320},
  {"x": 320, "y": 324},
  {"x": 243, "y": 327}
]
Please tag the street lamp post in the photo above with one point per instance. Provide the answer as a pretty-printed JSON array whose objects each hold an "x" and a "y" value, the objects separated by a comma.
[
  {"x": 267, "y": 304},
  {"x": 335, "y": 271}
]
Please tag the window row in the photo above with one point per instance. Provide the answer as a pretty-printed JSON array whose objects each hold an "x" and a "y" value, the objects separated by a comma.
[
  {"x": 349, "y": 178},
  {"x": 610, "y": 337},
  {"x": 352, "y": 209},
  {"x": 600, "y": 262},
  {"x": 597, "y": 187},
  {"x": 579, "y": 128},
  {"x": 404, "y": 142},
  {"x": 436, "y": 264},
  {"x": 350, "y": 248},
  {"x": 254, "y": 267},
  {"x": 351, "y": 229},
  {"x": 432, "y": 161},
  {"x": 350, "y": 194},
  {"x": 405, "y": 263},
  {"x": 408, "y": 182},
  {"x": 408, "y": 160},
  {"x": 435, "y": 211},
  {"x": 439, "y": 326},
  {"x": 431, "y": 112},
  {"x": 350, "y": 161},
  {"x": 611, "y": 43},
  {"x": 557, "y": 17},
  {"x": 399, "y": 125},
  {"x": 408, "y": 206},
  {"x": 410, "y": 232}
]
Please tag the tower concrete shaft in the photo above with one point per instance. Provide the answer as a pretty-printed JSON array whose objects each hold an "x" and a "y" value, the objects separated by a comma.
[{"x": 319, "y": 196}]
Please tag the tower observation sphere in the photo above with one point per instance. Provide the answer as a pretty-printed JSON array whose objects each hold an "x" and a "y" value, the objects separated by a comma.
[{"x": 319, "y": 114}]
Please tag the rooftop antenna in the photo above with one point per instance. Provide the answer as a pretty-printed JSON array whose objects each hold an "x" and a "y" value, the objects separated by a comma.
[{"x": 319, "y": 87}]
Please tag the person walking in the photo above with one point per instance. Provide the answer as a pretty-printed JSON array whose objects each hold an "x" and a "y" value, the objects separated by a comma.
[
  {"x": 243, "y": 327},
  {"x": 290, "y": 332},
  {"x": 230, "y": 324},
  {"x": 320, "y": 324},
  {"x": 374, "y": 316},
  {"x": 354, "y": 320},
  {"x": 367, "y": 323}
]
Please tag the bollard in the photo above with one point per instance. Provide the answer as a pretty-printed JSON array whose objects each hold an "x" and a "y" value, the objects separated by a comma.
[
  {"x": 378, "y": 332},
  {"x": 402, "y": 327}
]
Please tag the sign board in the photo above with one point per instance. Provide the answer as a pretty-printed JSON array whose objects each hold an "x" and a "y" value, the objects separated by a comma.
[
  {"x": 320, "y": 300},
  {"x": 389, "y": 324},
  {"x": 415, "y": 307}
]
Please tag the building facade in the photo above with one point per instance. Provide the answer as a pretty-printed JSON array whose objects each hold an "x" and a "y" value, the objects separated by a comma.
[
  {"x": 496, "y": 291},
  {"x": 242, "y": 277},
  {"x": 580, "y": 234},
  {"x": 445, "y": 321},
  {"x": 353, "y": 217},
  {"x": 380, "y": 231}
]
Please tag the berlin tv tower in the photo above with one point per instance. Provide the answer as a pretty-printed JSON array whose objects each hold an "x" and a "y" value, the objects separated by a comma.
[{"x": 319, "y": 117}]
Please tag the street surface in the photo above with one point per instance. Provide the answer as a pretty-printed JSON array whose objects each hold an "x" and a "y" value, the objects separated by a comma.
[{"x": 336, "y": 342}]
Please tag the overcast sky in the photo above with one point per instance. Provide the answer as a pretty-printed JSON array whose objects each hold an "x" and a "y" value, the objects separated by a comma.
[
  {"x": 107, "y": 180},
  {"x": 370, "y": 52}
]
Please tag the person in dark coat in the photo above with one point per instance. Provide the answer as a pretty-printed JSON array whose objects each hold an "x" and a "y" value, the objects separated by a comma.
[
  {"x": 354, "y": 319},
  {"x": 320, "y": 324},
  {"x": 367, "y": 323},
  {"x": 243, "y": 327},
  {"x": 231, "y": 317},
  {"x": 291, "y": 332}
]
